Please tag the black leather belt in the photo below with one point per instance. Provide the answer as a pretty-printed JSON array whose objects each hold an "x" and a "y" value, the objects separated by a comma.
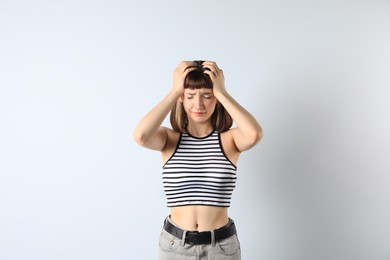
[{"x": 201, "y": 238}]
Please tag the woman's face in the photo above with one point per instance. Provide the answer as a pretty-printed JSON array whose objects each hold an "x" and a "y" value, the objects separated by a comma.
[{"x": 199, "y": 104}]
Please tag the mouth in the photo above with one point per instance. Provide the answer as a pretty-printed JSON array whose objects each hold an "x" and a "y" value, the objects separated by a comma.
[{"x": 199, "y": 113}]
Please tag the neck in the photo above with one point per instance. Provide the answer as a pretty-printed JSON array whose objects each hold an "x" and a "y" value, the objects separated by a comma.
[{"x": 199, "y": 130}]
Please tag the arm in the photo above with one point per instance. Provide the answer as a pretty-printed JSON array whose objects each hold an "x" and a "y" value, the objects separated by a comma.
[
  {"x": 149, "y": 132},
  {"x": 248, "y": 132}
]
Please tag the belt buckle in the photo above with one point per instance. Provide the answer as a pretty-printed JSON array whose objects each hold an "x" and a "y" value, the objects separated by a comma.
[{"x": 198, "y": 238}]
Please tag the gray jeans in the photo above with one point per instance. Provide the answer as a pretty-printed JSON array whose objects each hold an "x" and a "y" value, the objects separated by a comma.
[{"x": 173, "y": 248}]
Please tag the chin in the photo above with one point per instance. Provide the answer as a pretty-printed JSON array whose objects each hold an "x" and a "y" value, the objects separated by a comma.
[{"x": 200, "y": 119}]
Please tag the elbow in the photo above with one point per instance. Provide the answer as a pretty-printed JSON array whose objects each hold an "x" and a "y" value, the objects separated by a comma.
[
  {"x": 139, "y": 138},
  {"x": 257, "y": 136}
]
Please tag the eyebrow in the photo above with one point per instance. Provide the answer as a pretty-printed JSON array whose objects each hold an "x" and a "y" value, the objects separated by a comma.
[{"x": 203, "y": 93}]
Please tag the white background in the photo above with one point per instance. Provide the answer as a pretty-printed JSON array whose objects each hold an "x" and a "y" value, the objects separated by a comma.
[{"x": 77, "y": 76}]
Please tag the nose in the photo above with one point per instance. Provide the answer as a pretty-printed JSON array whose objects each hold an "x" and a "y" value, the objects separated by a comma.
[{"x": 199, "y": 102}]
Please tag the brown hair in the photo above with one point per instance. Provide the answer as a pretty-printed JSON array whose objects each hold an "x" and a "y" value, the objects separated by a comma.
[{"x": 197, "y": 79}]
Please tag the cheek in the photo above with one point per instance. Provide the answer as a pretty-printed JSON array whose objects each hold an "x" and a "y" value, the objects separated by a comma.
[
  {"x": 186, "y": 105},
  {"x": 211, "y": 103}
]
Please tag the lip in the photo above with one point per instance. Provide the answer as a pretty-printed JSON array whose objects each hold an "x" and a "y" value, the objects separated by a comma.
[{"x": 198, "y": 113}]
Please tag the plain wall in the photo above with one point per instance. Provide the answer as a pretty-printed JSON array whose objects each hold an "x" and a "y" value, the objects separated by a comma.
[{"x": 77, "y": 76}]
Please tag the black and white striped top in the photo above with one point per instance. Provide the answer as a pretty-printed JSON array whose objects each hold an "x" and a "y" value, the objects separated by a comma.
[{"x": 199, "y": 173}]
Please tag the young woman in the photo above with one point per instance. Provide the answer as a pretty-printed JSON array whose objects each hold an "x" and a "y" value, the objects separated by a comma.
[{"x": 200, "y": 153}]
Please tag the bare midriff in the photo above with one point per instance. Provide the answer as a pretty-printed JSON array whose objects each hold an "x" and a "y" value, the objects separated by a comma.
[{"x": 199, "y": 218}]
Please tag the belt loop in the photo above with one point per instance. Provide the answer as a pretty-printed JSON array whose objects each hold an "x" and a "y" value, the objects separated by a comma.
[
  {"x": 212, "y": 238},
  {"x": 183, "y": 239}
]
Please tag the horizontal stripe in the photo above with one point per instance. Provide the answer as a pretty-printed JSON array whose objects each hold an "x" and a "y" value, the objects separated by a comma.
[
  {"x": 205, "y": 185},
  {"x": 199, "y": 173}
]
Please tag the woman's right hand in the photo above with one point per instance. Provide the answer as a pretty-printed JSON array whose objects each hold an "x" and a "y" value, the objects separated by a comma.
[{"x": 180, "y": 74}]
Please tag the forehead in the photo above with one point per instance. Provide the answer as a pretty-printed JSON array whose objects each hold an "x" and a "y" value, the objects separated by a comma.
[{"x": 198, "y": 91}]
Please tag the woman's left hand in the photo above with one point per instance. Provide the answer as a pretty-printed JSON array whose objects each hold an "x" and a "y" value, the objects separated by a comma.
[{"x": 216, "y": 75}]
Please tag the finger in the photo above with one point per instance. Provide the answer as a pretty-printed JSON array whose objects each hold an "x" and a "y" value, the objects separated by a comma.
[
  {"x": 184, "y": 65},
  {"x": 210, "y": 62},
  {"x": 189, "y": 69},
  {"x": 210, "y": 73},
  {"x": 211, "y": 65}
]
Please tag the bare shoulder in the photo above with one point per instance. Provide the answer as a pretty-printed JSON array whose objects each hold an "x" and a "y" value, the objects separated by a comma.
[
  {"x": 170, "y": 146},
  {"x": 173, "y": 136},
  {"x": 229, "y": 146}
]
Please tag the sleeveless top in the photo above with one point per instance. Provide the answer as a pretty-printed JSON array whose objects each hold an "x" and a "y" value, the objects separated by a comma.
[{"x": 199, "y": 173}]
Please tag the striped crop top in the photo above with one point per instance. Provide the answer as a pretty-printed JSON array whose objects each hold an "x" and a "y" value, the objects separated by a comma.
[{"x": 199, "y": 173}]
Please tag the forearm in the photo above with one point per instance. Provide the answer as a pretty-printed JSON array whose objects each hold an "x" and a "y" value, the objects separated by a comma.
[
  {"x": 244, "y": 120},
  {"x": 152, "y": 121}
]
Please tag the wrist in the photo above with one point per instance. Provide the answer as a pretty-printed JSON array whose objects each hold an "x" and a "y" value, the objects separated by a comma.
[
  {"x": 177, "y": 93},
  {"x": 219, "y": 94}
]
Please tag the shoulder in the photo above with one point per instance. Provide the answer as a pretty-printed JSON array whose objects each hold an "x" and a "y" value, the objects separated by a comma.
[
  {"x": 228, "y": 135},
  {"x": 171, "y": 133},
  {"x": 229, "y": 146},
  {"x": 171, "y": 143},
  {"x": 172, "y": 138},
  {"x": 227, "y": 140}
]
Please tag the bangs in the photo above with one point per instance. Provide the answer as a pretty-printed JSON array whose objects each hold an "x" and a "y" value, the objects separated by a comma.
[{"x": 197, "y": 79}]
